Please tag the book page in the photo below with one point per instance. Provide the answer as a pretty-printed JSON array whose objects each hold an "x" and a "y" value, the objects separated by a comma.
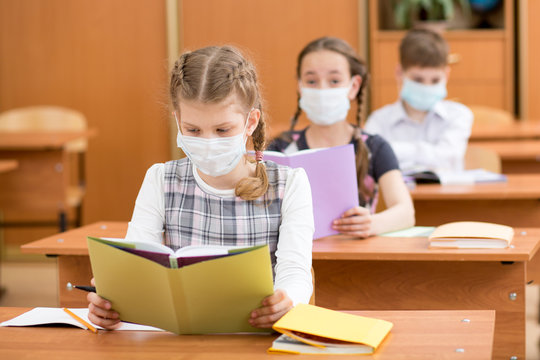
[
  {"x": 139, "y": 245},
  {"x": 48, "y": 315},
  {"x": 473, "y": 229},
  {"x": 201, "y": 250}
]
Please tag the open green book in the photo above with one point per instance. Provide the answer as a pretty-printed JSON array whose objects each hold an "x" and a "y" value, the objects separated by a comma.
[{"x": 215, "y": 295}]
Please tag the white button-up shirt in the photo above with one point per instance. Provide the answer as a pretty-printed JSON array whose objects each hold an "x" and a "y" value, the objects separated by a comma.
[{"x": 437, "y": 143}]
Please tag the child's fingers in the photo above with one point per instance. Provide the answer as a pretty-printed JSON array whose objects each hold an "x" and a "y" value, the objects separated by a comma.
[
  {"x": 101, "y": 321},
  {"x": 275, "y": 298},
  {"x": 102, "y": 313},
  {"x": 98, "y": 301},
  {"x": 357, "y": 210},
  {"x": 92, "y": 282},
  {"x": 353, "y": 220},
  {"x": 283, "y": 305},
  {"x": 354, "y": 227},
  {"x": 267, "y": 321}
]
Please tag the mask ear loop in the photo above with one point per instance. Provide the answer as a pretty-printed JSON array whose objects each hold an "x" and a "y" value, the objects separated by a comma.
[{"x": 176, "y": 121}]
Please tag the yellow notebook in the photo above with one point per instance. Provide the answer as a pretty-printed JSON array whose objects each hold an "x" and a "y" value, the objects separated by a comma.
[
  {"x": 309, "y": 329},
  {"x": 471, "y": 235},
  {"x": 213, "y": 296}
]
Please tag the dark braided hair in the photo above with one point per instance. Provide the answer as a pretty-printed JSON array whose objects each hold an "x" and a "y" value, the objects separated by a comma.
[{"x": 357, "y": 67}]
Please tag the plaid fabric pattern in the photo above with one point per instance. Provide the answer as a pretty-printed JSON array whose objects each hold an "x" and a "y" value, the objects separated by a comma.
[{"x": 195, "y": 217}]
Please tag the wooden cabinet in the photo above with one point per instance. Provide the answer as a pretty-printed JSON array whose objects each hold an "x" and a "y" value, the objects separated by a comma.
[{"x": 481, "y": 61}]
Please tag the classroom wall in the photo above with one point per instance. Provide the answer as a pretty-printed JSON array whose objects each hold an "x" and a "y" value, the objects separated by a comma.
[
  {"x": 533, "y": 60},
  {"x": 106, "y": 59},
  {"x": 272, "y": 33}
]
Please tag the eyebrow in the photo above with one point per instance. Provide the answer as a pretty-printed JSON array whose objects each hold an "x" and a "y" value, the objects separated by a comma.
[
  {"x": 226, "y": 123},
  {"x": 330, "y": 72}
]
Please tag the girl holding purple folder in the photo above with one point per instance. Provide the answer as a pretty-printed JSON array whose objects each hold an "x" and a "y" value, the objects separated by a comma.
[
  {"x": 218, "y": 195},
  {"x": 331, "y": 75}
]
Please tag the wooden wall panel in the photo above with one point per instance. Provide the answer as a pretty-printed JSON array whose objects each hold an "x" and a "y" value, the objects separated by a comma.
[
  {"x": 106, "y": 59},
  {"x": 272, "y": 32},
  {"x": 533, "y": 61}
]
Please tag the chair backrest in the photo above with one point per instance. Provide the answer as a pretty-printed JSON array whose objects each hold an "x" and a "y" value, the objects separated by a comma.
[
  {"x": 45, "y": 119},
  {"x": 485, "y": 115},
  {"x": 477, "y": 157}
]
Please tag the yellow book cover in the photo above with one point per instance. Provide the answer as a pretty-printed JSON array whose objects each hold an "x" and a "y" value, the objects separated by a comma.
[
  {"x": 310, "y": 329},
  {"x": 471, "y": 235},
  {"x": 213, "y": 296}
]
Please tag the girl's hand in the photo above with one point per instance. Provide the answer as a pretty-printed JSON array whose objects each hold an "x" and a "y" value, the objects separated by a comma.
[
  {"x": 272, "y": 309},
  {"x": 99, "y": 311},
  {"x": 356, "y": 222}
]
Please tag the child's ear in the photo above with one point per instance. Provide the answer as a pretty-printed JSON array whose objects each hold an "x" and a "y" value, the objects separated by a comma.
[
  {"x": 355, "y": 86},
  {"x": 447, "y": 72},
  {"x": 253, "y": 121},
  {"x": 399, "y": 75}
]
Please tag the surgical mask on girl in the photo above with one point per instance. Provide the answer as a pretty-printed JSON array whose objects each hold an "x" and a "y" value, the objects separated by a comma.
[
  {"x": 325, "y": 106},
  {"x": 214, "y": 157},
  {"x": 422, "y": 97}
]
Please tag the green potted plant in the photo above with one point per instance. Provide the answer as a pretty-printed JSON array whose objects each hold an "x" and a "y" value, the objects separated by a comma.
[{"x": 409, "y": 12}]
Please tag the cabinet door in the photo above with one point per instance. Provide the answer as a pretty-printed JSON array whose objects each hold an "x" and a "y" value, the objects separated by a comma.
[
  {"x": 477, "y": 69},
  {"x": 477, "y": 60}
]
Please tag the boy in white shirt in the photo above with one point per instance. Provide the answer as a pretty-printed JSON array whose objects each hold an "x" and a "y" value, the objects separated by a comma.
[{"x": 424, "y": 130}]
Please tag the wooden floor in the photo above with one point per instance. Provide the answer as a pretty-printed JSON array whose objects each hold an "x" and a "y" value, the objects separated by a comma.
[{"x": 34, "y": 284}]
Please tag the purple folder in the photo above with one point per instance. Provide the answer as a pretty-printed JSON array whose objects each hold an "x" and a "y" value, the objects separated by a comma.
[{"x": 332, "y": 175}]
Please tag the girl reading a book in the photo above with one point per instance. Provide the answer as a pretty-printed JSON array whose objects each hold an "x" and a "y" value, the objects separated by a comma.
[
  {"x": 331, "y": 75},
  {"x": 217, "y": 195}
]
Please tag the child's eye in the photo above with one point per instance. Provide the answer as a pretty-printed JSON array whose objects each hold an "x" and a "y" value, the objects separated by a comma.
[
  {"x": 222, "y": 131},
  {"x": 335, "y": 81},
  {"x": 435, "y": 81},
  {"x": 311, "y": 82},
  {"x": 192, "y": 130}
]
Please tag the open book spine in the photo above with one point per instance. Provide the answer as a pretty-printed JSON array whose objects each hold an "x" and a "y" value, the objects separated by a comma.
[{"x": 173, "y": 261}]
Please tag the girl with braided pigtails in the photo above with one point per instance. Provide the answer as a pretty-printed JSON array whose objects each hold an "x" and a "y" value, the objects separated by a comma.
[
  {"x": 217, "y": 195},
  {"x": 331, "y": 75}
]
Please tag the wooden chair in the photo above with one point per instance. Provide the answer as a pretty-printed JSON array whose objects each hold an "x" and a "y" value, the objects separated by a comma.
[
  {"x": 477, "y": 157},
  {"x": 485, "y": 115},
  {"x": 55, "y": 119}
]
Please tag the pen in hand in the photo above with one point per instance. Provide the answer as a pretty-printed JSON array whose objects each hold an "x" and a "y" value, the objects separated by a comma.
[{"x": 70, "y": 287}]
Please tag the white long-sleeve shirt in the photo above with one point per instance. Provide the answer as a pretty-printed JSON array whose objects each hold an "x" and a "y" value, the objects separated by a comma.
[
  {"x": 439, "y": 142},
  {"x": 293, "y": 254}
]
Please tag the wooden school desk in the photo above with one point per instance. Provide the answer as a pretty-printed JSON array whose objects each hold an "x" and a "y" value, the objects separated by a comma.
[
  {"x": 373, "y": 274},
  {"x": 525, "y": 129},
  {"x": 517, "y": 156},
  {"x": 514, "y": 203},
  {"x": 72, "y": 257},
  {"x": 384, "y": 273},
  {"x": 416, "y": 335}
]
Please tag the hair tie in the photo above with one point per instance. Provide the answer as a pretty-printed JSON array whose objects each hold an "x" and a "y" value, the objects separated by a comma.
[{"x": 258, "y": 156}]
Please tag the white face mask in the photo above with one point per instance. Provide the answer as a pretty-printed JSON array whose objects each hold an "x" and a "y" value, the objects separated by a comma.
[
  {"x": 325, "y": 106},
  {"x": 214, "y": 157},
  {"x": 423, "y": 97}
]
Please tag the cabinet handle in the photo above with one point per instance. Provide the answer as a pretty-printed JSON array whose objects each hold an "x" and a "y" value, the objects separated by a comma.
[{"x": 454, "y": 58}]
